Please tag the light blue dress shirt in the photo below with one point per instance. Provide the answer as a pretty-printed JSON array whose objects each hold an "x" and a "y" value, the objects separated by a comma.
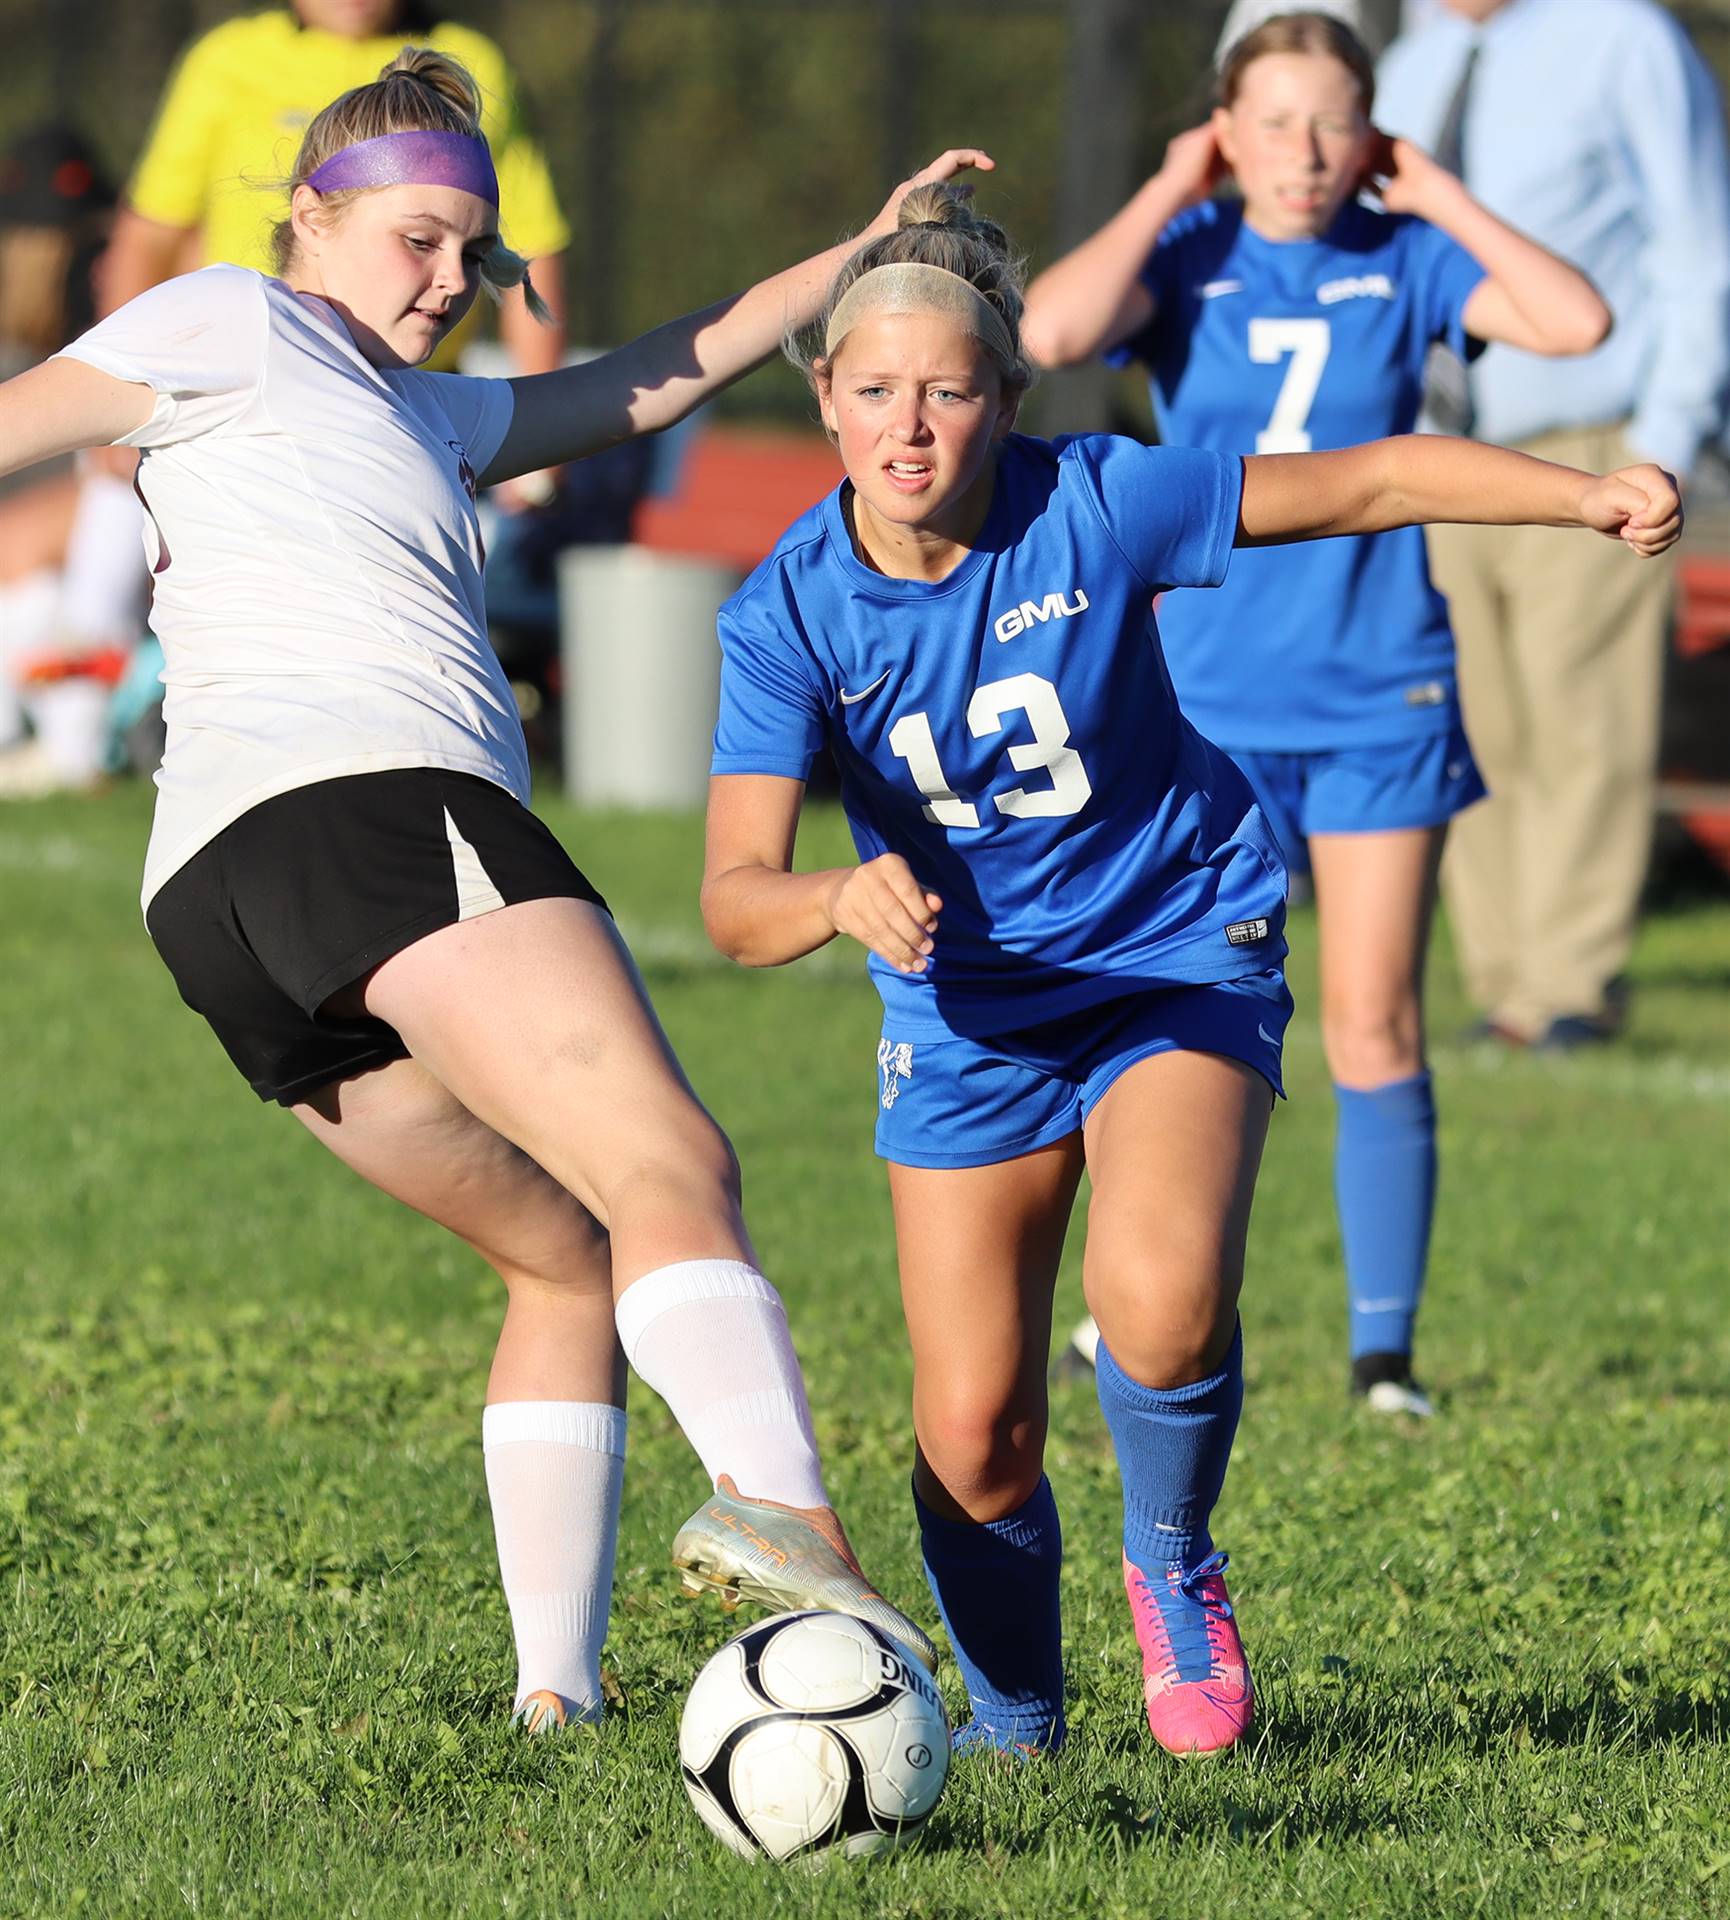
[{"x": 1595, "y": 127}]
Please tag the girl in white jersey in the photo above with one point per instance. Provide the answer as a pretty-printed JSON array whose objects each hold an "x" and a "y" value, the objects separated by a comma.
[{"x": 344, "y": 877}]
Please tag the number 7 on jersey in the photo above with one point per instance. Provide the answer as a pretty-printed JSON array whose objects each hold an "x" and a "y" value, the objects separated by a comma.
[{"x": 1308, "y": 342}]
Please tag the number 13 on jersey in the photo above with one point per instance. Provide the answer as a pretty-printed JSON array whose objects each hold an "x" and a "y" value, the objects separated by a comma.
[{"x": 910, "y": 739}]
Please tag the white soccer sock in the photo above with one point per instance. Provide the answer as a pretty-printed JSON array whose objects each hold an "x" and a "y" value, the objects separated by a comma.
[
  {"x": 26, "y": 623},
  {"x": 71, "y": 721},
  {"x": 711, "y": 1338},
  {"x": 105, "y": 585},
  {"x": 554, "y": 1473}
]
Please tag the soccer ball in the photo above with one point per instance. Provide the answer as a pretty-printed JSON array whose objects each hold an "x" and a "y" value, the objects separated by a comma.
[{"x": 811, "y": 1732}]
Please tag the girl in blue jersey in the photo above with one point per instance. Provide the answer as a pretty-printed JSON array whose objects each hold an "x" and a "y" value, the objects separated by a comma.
[
  {"x": 1073, "y": 908},
  {"x": 1292, "y": 319}
]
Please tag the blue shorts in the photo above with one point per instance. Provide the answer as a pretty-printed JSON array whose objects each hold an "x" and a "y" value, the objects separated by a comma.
[
  {"x": 1370, "y": 789},
  {"x": 971, "y": 1103}
]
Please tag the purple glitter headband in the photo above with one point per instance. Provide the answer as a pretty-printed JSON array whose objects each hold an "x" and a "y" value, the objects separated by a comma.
[{"x": 411, "y": 160}]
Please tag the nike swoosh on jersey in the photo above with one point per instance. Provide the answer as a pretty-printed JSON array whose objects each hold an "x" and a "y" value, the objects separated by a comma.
[
  {"x": 1212, "y": 289},
  {"x": 865, "y": 693}
]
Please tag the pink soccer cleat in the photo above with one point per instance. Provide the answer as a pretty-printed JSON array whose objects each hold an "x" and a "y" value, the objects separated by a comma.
[{"x": 1195, "y": 1677}]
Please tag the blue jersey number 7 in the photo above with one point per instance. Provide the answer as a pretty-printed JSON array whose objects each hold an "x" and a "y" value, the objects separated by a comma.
[{"x": 1308, "y": 342}]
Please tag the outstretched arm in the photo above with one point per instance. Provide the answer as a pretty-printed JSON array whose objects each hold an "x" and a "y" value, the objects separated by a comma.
[
  {"x": 1424, "y": 478},
  {"x": 1093, "y": 297},
  {"x": 762, "y": 914},
  {"x": 658, "y": 379},
  {"x": 1530, "y": 297},
  {"x": 64, "y": 406}
]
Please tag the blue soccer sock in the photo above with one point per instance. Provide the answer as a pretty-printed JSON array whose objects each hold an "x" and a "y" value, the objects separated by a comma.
[
  {"x": 1173, "y": 1444},
  {"x": 995, "y": 1584},
  {"x": 1385, "y": 1182}
]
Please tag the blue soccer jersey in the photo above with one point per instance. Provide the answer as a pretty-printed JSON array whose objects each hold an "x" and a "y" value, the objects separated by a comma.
[
  {"x": 1012, "y": 732},
  {"x": 1262, "y": 346}
]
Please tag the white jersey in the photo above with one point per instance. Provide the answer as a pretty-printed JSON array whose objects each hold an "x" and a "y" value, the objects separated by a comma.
[{"x": 316, "y": 557}]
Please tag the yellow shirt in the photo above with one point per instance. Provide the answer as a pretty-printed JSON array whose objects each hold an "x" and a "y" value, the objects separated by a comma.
[{"x": 231, "y": 122}]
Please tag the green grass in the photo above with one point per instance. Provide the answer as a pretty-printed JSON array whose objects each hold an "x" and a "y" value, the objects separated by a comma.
[{"x": 253, "y": 1659}]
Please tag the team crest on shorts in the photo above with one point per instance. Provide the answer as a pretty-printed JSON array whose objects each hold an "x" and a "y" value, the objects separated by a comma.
[{"x": 895, "y": 1059}]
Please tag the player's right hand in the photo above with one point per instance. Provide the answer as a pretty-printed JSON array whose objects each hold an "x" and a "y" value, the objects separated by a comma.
[
  {"x": 883, "y": 907},
  {"x": 1640, "y": 506},
  {"x": 1194, "y": 164}
]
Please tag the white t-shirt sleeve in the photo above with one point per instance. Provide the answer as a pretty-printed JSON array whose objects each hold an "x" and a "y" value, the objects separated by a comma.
[
  {"x": 480, "y": 411},
  {"x": 198, "y": 342}
]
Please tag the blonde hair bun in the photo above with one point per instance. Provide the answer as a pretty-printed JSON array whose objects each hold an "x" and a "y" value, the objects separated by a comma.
[
  {"x": 936, "y": 226},
  {"x": 448, "y": 78},
  {"x": 935, "y": 205}
]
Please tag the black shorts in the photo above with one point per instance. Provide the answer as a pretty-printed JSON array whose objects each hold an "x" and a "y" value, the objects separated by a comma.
[{"x": 308, "y": 892}]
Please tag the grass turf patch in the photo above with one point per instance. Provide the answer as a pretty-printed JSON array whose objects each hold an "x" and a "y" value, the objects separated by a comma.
[{"x": 253, "y": 1655}]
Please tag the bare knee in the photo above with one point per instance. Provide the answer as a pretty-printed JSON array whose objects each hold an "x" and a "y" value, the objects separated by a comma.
[
  {"x": 673, "y": 1194},
  {"x": 1171, "y": 1328},
  {"x": 984, "y": 1452},
  {"x": 1371, "y": 1042},
  {"x": 561, "y": 1257},
  {"x": 688, "y": 1149}
]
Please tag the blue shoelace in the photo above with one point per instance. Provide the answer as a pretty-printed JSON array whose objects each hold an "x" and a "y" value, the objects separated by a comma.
[{"x": 1186, "y": 1624}]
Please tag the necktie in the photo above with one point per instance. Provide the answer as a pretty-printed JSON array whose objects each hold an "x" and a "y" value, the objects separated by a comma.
[{"x": 1451, "y": 140}]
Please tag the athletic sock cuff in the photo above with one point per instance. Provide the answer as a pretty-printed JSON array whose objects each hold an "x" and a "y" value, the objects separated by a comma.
[
  {"x": 1112, "y": 1379},
  {"x": 570, "y": 1423},
  {"x": 645, "y": 1300},
  {"x": 1033, "y": 1524},
  {"x": 1412, "y": 1095}
]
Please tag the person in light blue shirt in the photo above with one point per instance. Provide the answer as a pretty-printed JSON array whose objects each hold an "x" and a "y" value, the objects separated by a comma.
[
  {"x": 1294, "y": 318},
  {"x": 1596, "y": 126},
  {"x": 1072, "y": 905}
]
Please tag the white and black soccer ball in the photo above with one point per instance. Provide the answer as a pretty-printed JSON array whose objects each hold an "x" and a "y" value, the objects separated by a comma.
[{"x": 814, "y": 1731}]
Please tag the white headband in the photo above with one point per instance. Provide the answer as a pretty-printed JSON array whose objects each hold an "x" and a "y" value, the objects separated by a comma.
[{"x": 909, "y": 286}]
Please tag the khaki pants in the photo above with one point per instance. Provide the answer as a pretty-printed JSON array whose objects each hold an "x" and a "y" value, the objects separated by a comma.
[{"x": 1561, "y": 637}]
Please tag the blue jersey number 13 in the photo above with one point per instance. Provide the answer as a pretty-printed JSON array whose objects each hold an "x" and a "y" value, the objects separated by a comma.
[{"x": 910, "y": 740}]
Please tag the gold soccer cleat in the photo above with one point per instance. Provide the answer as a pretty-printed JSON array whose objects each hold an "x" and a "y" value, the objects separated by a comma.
[{"x": 784, "y": 1558}]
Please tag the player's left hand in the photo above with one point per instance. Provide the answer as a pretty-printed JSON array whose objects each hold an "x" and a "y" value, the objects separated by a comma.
[
  {"x": 1641, "y": 506},
  {"x": 1404, "y": 176},
  {"x": 945, "y": 167}
]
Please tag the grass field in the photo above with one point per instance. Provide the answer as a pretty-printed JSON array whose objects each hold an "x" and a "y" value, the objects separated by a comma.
[{"x": 254, "y": 1660}]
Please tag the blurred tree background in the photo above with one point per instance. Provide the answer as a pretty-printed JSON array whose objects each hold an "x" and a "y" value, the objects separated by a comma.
[{"x": 700, "y": 143}]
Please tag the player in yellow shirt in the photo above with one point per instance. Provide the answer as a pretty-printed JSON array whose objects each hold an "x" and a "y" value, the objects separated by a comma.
[
  {"x": 228, "y": 128},
  {"x": 231, "y": 121}
]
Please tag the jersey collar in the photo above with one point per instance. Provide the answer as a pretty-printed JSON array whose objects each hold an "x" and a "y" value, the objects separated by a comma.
[{"x": 865, "y": 579}]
